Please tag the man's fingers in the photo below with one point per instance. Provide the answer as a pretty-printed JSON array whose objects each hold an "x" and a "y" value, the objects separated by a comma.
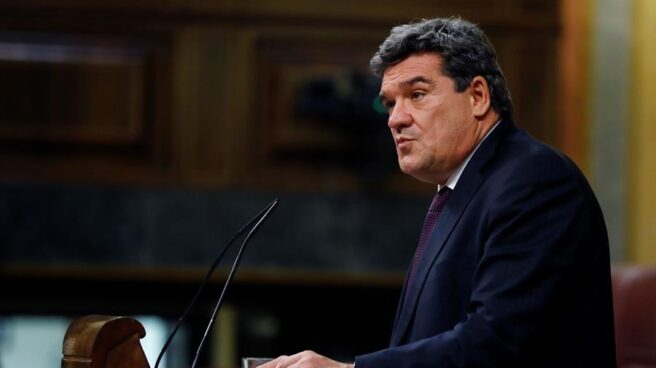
[
  {"x": 283, "y": 361},
  {"x": 305, "y": 359},
  {"x": 274, "y": 363},
  {"x": 290, "y": 360}
]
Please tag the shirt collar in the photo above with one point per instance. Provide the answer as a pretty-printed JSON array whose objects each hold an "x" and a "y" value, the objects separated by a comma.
[{"x": 453, "y": 179}]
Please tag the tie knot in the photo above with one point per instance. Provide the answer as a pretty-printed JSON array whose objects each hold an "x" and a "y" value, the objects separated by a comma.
[{"x": 439, "y": 200}]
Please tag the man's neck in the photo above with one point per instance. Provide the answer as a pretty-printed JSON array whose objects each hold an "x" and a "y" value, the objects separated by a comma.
[{"x": 455, "y": 176}]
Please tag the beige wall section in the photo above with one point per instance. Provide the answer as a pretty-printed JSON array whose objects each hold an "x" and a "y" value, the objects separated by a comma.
[
  {"x": 610, "y": 74},
  {"x": 642, "y": 147}
]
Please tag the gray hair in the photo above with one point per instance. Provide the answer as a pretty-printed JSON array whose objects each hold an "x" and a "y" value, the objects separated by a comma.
[{"x": 465, "y": 50}]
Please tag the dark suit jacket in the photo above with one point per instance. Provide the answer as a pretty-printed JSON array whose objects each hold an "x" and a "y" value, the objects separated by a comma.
[{"x": 517, "y": 270}]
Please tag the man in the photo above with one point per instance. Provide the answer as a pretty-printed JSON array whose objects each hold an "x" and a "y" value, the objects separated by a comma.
[{"x": 512, "y": 267}]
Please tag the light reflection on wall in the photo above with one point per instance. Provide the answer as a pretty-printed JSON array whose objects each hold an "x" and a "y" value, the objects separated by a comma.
[{"x": 31, "y": 341}]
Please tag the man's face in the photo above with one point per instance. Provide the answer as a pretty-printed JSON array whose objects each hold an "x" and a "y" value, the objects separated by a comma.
[{"x": 433, "y": 126}]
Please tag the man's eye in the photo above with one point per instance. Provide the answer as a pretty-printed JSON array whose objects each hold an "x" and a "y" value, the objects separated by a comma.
[{"x": 417, "y": 95}]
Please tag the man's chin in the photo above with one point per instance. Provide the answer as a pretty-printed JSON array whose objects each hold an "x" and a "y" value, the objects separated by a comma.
[
  {"x": 406, "y": 168},
  {"x": 411, "y": 170},
  {"x": 417, "y": 173}
]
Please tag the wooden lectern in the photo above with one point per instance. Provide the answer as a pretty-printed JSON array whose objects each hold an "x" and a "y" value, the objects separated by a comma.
[
  {"x": 112, "y": 342},
  {"x": 104, "y": 342}
]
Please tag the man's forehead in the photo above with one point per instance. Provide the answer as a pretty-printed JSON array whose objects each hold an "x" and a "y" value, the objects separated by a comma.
[
  {"x": 421, "y": 58},
  {"x": 410, "y": 72},
  {"x": 426, "y": 65}
]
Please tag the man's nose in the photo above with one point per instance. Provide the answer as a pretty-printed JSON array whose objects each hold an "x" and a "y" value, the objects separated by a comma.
[{"x": 399, "y": 117}]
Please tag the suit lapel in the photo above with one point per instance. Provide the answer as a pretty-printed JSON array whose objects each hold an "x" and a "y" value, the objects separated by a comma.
[
  {"x": 468, "y": 184},
  {"x": 399, "y": 307}
]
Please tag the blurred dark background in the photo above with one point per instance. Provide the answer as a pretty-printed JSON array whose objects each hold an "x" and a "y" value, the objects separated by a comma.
[{"x": 137, "y": 137}]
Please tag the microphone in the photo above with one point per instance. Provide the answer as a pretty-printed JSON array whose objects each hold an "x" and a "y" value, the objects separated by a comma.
[
  {"x": 257, "y": 220},
  {"x": 235, "y": 264}
]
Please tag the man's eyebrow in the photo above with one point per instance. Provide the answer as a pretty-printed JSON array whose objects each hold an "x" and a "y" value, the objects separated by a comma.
[
  {"x": 417, "y": 79},
  {"x": 406, "y": 84}
]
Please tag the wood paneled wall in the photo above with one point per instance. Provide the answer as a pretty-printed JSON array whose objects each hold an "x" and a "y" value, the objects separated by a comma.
[{"x": 204, "y": 93}]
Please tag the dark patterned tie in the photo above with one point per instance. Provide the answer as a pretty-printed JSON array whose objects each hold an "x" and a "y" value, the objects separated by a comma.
[{"x": 429, "y": 224}]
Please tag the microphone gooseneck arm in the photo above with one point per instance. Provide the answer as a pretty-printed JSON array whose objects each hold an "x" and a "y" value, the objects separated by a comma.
[
  {"x": 235, "y": 264},
  {"x": 260, "y": 216}
]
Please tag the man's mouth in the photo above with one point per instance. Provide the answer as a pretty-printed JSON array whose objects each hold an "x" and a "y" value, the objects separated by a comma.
[{"x": 403, "y": 141}]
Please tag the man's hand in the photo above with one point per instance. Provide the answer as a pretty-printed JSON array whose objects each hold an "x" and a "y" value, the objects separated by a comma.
[{"x": 306, "y": 359}]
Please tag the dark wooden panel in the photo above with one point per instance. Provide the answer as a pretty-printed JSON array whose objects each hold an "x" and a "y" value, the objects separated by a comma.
[
  {"x": 84, "y": 106},
  {"x": 63, "y": 92},
  {"x": 316, "y": 109}
]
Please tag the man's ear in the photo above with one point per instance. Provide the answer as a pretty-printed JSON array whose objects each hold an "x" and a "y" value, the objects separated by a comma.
[{"x": 480, "y": 97}]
